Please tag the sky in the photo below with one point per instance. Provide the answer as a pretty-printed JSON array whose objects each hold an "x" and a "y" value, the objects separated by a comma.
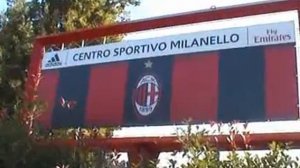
[
  {"x": 154, "y": 8},
  {"x": 2, "y": 5}
]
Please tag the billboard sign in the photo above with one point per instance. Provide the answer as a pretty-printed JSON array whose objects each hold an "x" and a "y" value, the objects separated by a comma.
[{"x": 244, "y": 73}]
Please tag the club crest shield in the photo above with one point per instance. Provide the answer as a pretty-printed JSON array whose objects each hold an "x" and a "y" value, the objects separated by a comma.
[{"x": 146, "y": 95}]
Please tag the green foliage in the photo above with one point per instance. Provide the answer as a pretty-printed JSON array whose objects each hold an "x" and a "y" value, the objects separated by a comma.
[
  {"x": 15, "y": 43},
  {"x": 18, "y": 149},
  {"x": 201, "y": 154},
  {"x": 13, "y": 142},
  {"x": 198, "y": 151}
]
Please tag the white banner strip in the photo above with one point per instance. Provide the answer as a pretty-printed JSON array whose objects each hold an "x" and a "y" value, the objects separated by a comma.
[
  {"x": 259, "y": 35},
  {"x": 214, "y": 129}
]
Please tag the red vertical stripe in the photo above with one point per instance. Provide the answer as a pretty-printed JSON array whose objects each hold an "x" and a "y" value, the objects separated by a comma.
[
  {"x": 138, "y": 92},
  {"x": 281, "y": 82},
  {"x": 47, "y": 93},
  {"x": 141, "y": 95},
  {"x": 105, "y": 105},
  {"x": 195, "y": 87}
]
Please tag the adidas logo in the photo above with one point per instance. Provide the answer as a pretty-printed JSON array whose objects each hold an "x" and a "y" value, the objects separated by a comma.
[{"x": 54, "y": 61}]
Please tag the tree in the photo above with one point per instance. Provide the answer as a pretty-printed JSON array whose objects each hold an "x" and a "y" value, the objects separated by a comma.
[
  {"x": 19, "y": 25},
  {"x": 16, "y": 37}
]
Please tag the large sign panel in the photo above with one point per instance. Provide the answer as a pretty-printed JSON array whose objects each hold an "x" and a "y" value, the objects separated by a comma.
[{"x": 245, "y": 74}]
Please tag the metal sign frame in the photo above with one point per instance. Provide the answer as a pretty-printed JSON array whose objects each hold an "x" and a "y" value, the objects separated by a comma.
[{"x": 152, "y": 146}]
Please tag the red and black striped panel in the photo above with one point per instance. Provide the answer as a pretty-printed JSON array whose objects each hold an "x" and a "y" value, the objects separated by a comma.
[{"x": 245, "y": 84}]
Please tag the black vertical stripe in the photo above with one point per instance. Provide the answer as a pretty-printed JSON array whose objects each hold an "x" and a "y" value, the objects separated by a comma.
[
  {"x": 161, "y": 69},
  {"x": 72, "y": 87},
  {"x": 241, "y": 84}
]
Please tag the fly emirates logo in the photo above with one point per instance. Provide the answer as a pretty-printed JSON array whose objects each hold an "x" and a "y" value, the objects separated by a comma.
[{"x": 272, "y": 36}]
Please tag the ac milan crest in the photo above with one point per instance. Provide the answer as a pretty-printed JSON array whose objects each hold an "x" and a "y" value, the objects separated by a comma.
[{"x": 147, "y": 93}]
